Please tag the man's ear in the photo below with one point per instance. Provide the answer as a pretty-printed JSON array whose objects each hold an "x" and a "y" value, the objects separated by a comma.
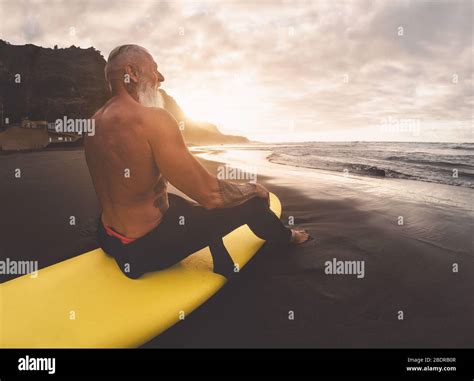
[{"x": 131, "y": 74}]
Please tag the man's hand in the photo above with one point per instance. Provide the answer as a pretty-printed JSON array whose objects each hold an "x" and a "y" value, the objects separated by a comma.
[
  {"x": 262, "y": 192},
  {"x": 185, "y": 172}
]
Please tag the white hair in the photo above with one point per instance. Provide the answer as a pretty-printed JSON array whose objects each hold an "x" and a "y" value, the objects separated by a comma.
[{"x": 133, "y": 55}]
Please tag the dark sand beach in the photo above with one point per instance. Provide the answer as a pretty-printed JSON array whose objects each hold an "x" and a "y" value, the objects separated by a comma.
[{"x": 407, "y": 268}]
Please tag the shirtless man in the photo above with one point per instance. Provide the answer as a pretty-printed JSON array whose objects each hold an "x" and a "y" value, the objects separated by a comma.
[{"x": 137, "y": 148}]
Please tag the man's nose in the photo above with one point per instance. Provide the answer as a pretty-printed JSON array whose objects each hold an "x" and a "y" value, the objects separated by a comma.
[{"x": 160, "y": 77}]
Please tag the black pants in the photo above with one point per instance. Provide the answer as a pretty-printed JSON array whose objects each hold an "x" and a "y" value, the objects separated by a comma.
[{"x": 187, "y": 227}]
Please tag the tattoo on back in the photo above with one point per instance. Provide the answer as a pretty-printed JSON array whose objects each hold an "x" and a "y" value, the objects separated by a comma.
[{"x": 161, "y": 202}]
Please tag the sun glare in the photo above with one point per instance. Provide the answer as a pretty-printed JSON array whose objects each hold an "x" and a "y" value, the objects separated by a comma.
[{"x": 234, "y": 109}]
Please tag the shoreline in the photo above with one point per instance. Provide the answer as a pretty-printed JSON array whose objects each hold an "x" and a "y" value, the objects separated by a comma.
[
  {"x": 408, "y": 190},
  {"x": 403, "y": 273},
  {"x": 351, "y": 220}
]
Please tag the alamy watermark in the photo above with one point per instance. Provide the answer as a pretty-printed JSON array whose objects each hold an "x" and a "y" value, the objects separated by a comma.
[
  {"x": 46, "y": 364},
  {"x": 13, "y": 267},
  {"x": 76, "y": 126},
  {"x": 226, "y": 172},
  {"x": 404, "y": 125},
  {"x": 337, "y": 267}
]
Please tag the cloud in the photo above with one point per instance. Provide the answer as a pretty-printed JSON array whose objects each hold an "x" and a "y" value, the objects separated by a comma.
[{"x": 320, "y": 66}]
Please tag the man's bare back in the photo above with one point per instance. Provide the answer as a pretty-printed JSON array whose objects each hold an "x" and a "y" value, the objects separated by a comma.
[
  {"x": 130, "y": 187},
  {"x": 137, "y": 148}
]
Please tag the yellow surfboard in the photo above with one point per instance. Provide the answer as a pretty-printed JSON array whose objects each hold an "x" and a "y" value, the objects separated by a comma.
[{"x": 86, "y": 301}]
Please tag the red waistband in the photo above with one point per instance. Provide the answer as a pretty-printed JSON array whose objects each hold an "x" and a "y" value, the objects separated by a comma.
[{"x": 122, "y": 238}]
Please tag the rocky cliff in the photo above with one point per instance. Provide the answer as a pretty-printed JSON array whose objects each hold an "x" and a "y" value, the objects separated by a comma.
[{"x": 46, "y": 84}]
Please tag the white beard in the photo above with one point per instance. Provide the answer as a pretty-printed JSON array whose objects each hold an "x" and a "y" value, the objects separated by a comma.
[{"x": 149, "y": 96}]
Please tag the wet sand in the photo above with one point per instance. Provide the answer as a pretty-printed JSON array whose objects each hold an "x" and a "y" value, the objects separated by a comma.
[{"x": 407, "y": 268}]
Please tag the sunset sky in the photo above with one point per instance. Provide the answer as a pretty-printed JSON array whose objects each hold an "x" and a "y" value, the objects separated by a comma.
[{"x": 286, "y": 70}]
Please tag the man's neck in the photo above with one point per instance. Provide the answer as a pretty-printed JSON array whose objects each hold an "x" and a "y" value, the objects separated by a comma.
[{"x": 122, "y": 93}]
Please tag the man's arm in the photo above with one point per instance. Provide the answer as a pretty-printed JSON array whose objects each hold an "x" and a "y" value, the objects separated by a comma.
[{"x": 185, "y": 172}]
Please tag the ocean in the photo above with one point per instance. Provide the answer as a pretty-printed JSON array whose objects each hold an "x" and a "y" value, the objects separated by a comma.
[{"x": 444, "y": 163}]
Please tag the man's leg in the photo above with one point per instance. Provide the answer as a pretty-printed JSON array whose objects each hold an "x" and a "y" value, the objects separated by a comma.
[
  {"x": 255, "y": 213},
  {"x": 207, "y": 227},
  {"x": 188, "y": 227}
]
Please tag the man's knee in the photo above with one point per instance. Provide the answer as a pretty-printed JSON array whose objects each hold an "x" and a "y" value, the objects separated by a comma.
[
  {"x": 256, "y": 206},
  {"x": 258, "y": 203}
]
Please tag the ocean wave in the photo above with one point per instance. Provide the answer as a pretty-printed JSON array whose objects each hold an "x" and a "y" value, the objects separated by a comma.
[
  {"x": 431, "y": 162},
  {"x": 375, "y": 162},
  {"x": 464, "y": 146}
]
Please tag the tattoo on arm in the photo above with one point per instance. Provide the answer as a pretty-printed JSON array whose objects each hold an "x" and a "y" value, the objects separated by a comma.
[{"x": 233, "y": 194}]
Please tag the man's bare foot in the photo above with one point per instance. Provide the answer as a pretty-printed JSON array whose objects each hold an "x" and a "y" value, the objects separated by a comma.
[{"x": 299, "y": 236}]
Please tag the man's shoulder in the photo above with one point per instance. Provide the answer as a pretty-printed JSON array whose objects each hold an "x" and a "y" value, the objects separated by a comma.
[
  {"x": 157, "y": 112},
  {"x": 158, "y": 118}
]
